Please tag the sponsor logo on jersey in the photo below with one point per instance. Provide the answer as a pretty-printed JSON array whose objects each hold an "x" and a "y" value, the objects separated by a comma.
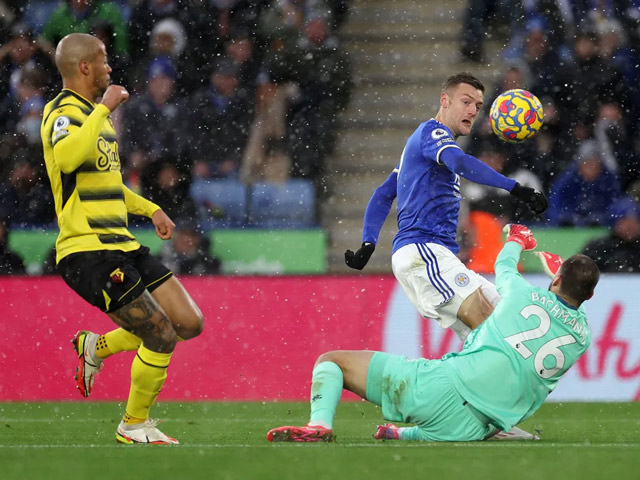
[{"x": 462, "y": 279}]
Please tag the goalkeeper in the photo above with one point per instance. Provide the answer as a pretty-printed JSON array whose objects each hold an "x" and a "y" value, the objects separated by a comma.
[{"x": 507, "y": 367}]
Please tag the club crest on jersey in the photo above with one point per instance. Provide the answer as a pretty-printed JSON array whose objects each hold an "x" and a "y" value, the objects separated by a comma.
[
  {"x": 462, "y": 279},
  {"x": 117, "y": 276},
  {"x": 439, "y": 133}
]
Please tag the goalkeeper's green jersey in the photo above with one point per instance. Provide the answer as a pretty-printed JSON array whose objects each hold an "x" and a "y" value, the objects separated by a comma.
[{"x": 511, "y": 362}]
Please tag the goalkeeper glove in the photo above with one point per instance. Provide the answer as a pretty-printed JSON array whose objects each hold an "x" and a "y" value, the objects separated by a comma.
[
  {"x": 521, "y": 235},
  {"x": 534, "y": 199},
  {"x": 360, "y": 258},
  {"x": 550, "y": 262},
  {"x": 388, "y": 431}
]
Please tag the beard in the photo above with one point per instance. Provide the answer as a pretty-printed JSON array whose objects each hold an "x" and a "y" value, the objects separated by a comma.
[{"x": 100, "y": 86}]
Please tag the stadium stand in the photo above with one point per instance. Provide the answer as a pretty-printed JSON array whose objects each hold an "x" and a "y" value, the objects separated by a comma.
[
  {"x": 287, "y": 205},
  {"x": 221, "y": 203}
]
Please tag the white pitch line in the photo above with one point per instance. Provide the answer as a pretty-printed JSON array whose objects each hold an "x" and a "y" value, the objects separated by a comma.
[{"x": 492, "y": 444}]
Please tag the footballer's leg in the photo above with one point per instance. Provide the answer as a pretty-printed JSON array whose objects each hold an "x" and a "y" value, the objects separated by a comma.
[
  {"x": 475, "y": 309},
  {"x": 185, "y": 315},
  {"x": 147, "y": 320},
  {"x": 116, "y": 341},
  {"x": 92, "y": 348},
  {"x": 332, "y": 372}
]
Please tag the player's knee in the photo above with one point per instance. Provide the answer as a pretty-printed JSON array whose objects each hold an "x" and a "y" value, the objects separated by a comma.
[
  {"x": 191, "y": 326},
  {"x": 163, "y": 341},
  {"x": 198, "y": 325},
  {"x": 328, "y": 357}
]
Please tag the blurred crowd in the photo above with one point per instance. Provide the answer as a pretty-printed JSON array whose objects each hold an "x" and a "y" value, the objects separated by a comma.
[
  {"x": 242, "y": 90},
  {"x": 234, "y": 89},
  {"x": 581, "y": 59}
]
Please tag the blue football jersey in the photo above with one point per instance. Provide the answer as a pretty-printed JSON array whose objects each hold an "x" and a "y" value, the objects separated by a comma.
[{"x": 428, "y": 192}]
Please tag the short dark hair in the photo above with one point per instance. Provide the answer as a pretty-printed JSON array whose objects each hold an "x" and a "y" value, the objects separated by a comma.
[
  {"x": 580, "y": 275},
  {"x": 462, "y": 77}
]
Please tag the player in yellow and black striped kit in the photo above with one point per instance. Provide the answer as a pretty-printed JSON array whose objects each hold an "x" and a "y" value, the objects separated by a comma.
[{"x": 96, "y": 254}]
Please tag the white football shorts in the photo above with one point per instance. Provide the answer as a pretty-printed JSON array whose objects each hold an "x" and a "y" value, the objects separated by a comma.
[{"x": 437, "y": 282}]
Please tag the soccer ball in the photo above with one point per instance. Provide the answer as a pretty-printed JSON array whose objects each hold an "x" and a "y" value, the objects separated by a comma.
[{"x": 516, "y": 115}]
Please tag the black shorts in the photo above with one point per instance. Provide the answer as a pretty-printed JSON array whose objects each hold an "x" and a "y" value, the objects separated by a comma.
[{"x": 110, "y": 279}]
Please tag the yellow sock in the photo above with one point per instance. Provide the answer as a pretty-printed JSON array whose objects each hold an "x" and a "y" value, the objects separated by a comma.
[
  {"x": 129, "y": 420},
  {"x": 118, "y": 340},
  {"x": 148, "y": 373}
]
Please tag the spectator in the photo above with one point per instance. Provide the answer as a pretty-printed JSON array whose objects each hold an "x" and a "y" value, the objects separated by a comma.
[
  {"x": 188, "y": 251},
  {"x": 22, "y": 111},
  {"x": 281, "y": 23},
  {"x": 23, "y": 53},
  {"x": 30, "y": 120},
  {"x": 167, "y": 41},
  {"x": 325, "y": 84},
  {"x": 241, "y": 48},
  {"x": 583, "y": 194},
  {"x": 476, "y": 22},
  {"x": 554, "y": 148},
  {"x": 543, "y": 61},
  {"x": 619, "y": 252},
  {"x": 166, "y": 183},
  {"x": 77, "y": 16},
  {"x": 266, "y": 153},
  {"x": 223, "y": 119},
  {"x": 593, "y": 74},
  {"x": 230, "y": 14},
  {"x": 482, "y": 15},
  {"x": 612, "y": 135},
  {"x": 155, "y": 124},
  {"x": 10, "y": 262},
  {"x": 147, "y": 14},
  {"x": 9, "y": 12},
  {"x": 613, "y": 47},
  {"x": 29, "y": 198}
]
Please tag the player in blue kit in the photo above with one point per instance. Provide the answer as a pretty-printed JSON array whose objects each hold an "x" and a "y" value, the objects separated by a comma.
[
  {"x": 426, "y": 183},
  {"x": 508, "y": 366}
]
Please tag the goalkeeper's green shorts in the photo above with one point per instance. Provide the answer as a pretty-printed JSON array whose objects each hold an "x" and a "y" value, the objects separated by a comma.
[{"x": 419, "y": 391}]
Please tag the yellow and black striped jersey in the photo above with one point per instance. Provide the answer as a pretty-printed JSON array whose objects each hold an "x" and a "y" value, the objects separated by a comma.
[{"x": 81, "y": 155}]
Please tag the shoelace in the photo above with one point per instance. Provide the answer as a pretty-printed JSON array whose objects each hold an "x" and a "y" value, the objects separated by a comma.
[{"x": 152, "y": 422}]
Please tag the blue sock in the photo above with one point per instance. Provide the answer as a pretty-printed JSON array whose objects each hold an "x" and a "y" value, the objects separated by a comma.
[{"x": 326, "y": 390}]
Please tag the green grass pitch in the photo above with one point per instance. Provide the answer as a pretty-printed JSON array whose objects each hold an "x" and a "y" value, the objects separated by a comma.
[{"x": 227, "y": 441}]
